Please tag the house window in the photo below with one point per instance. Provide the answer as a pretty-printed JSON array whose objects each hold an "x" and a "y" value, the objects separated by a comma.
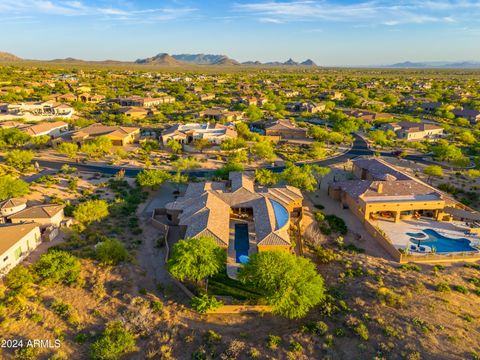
[
  {"x": 18, "y": 253},
  {"x": 5, "y": 258}
]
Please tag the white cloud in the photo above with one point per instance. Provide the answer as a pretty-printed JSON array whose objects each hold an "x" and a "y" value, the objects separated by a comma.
[
  {"x": 386, "y": 12},
  {"x": 79, "y": 8}
]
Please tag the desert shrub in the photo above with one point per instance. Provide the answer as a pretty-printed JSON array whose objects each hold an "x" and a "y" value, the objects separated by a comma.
[
  {"x": 273, "y": 342},
  {"x": 295, "y": 347},
  {"x": 60, "y": 308},
  {"x": 336, "y": 224},
  {"x": 442, "y": 287},
  {"x": 254, "y": 353},
  {"x": 474, "y": 281},
  {"x": 233, "y": 351},
  {"x": 461, "y": 289},
  {"x": 36, "y": 317},
  {"x": 318, "y": 328},
  {"x": 212, "y": 337},
  {"x": 325, "y": 255},
  {"x": 410, "y": 267},
  {"x": 340, "y": 332},
  {"x": 26, "y": 353},
  {"x": 156, "y": 306},
  {"x": 437, "y": 268},
  {"x": 390, "y": 298},
  {"x": 354, "y": 249},
  {"x": 114, "y": 342},
  {"x": 58, "y": 266},
  {"x": 205, "y": 303},
  {"x": 111, "y": 252},
  {"x": 19, "y": 279},
  {"x": 319, "y": 216}
]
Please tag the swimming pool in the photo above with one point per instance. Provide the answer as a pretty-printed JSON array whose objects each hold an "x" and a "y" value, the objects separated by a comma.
[
  {"x": 444, "y": 244},
  {"x": 241, "y": 241},
  {"x": 281, "y": 214}
]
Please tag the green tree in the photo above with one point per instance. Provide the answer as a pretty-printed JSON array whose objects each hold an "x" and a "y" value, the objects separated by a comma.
[
  {"x": 91, "y": 211},
  {"x": 152, "y": 178},
  {"x": 300, "y": 177},
  {"x": 201, "y": 144},
  {"x": 174, "y": 146},
  {"x": 317, "y": 151},
  {"x": 196, "y": 259},
  {"x": 19, "y": 159},
  {"x": 58, "y": 266},
  {"x": 13, "y": 137},
  {"x": 111, "y": 252},
  {"x": 264, "y": 150},
  {"x": 266, "y": 177},
  {"x": 11, "y": 187},
  {"x": 320, "y": 172},
  {"x": 68, "y": 149},
  {"x": 228, "y": 168},
  {"x": 433, "y": 171},
  {"x": 253, "y": 113},
  {"x": 291, "y": 283},
  {"x": 114, "y": 342},
  {"x": 19, "y": 279}
]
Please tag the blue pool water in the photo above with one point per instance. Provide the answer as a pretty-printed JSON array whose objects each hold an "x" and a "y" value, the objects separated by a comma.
[
  {"x": 444, "y": 244},
  {"x": 281, "y": 214},
  {"x": 241, "y": 241}
]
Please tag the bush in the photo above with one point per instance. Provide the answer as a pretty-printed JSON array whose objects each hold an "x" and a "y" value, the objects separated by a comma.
[
  {"x": 273, "y": 342},
  {"x": 319, "y": 216},
  {"x": 318, "y": 328},
  {"x": 461, "y": 289},
  {"x": 295, "y": 347},
  {"x": 362, "y": 331},
  {"x": 19, "y": 279},
  {"x": 442, "y": 287},
  {"x": 111, "y": 252},
  {"x": 324, "y": 255},
  {"x": 411, "y": 267},
  {"x": 336, "y": 224},
  {"x": 212, "y": 337},
  {"x": 156, "y": 306},
  {"x": 205, "y": 303},
  {"x": 113, "y": 343},
  {"x": 58, "y": 266}
]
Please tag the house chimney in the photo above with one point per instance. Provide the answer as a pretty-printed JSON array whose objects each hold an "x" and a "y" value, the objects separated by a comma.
[{"x": 380, "y": 187}]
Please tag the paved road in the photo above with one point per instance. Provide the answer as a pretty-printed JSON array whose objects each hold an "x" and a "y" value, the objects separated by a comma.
[{"x": 359, "y": 148}]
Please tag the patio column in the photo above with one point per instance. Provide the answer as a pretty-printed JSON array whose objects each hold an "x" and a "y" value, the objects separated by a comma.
[{"x": 397, "y": 216}]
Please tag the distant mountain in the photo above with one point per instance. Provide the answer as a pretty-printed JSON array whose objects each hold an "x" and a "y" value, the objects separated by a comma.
[
  {"x": 308, "y": 62},
  {"x": 160, "y": 59},
  {"x": 5, "y": 56},
  {"x": 435, "y": 64},
  {"x": 205, "y": 59}
]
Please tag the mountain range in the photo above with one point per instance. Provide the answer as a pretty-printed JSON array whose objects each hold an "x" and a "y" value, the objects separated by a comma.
[{"x": 164, "y": 59}]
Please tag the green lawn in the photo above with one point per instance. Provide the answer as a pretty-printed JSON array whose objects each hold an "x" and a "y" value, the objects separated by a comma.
[{"x": 222, "y": 285}]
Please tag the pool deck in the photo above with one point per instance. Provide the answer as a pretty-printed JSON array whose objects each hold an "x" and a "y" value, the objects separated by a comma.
[
  {"x": 232, "y": 265},
  {"x": 397, "y": 232}
]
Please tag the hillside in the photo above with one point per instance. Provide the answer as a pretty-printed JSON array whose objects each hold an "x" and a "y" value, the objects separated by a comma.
[
  {"x": 160, "y": 59},
  {"x": 5, "y": 56}
]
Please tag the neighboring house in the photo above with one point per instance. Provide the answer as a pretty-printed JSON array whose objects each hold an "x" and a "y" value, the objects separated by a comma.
[
  {"x": 331, "y": 95},
  {"x": 238, "y": 215},
  {"x": 35, "y": 110},
  {"x": 11, "y": 206},
  {"x": 119, "y": 135},
  {"x": 187, "y": 133},
  {"x": 52, "y": 129},
  {"x": 430, "y": 106},
  {"x": 89, "y": 98},
  {"x": 134, "y": 112},
  {"x": 367, "y": 116},
  {"x": 16, "y": 242},
  {"x": 252, "y": 100},
  {"x": 306, "y": 106},
  {"x": 471, "y": 115},
  {"x": 220, "y": 114},
  {"x": 43, "y": 215},
  {"x": 140, "y": 101},
  {"x": 412, "y": 131},
  {"x": 206, "y": 96},
  {"x": 285, "y": 129},
  {"x": 382, "y": 191}
]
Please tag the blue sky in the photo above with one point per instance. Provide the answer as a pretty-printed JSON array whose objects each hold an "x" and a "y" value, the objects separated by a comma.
[{"x": 331, "y": 32}]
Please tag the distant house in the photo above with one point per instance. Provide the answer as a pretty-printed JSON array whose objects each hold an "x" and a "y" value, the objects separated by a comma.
[
  {"x": 134, "y": 112},
  {"x": 285, "y": 129},
  {"x": 430, "y": 106},
  {"x": 52, "y": 129},
  {"x": 306, "y": 106},
  {"x": 331, "y": 95},
  {"x": 471, "y": 115},
  {"x": 367, "y": 116},
  {"x": 89, "y": 98},
  {"x": 35, "y": 110},
  {"x": 139, "y": 101},
  {"x": 220, "y": 114},
  {"x": 11, "y": 206},
  {"x": 412, "y": 131},
  {"x": 187, "y": 133},
  {"x": 42, "y": 215},
  {"x": 16, "y": 242},
  {"x": 119, "y": 135},
  {"x": 206, "y": 96},
  {"x": 251, "y": 100}
]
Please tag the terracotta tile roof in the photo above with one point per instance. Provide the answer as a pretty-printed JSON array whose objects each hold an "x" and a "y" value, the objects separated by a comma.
[{"x": 38, "y": 212}]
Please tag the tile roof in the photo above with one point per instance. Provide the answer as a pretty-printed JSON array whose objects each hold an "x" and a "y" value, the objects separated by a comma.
[
  {"x": 12, "y": 233},
  {"x": 38, "y": 212}
]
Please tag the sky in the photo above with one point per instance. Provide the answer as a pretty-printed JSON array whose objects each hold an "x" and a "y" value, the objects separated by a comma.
[{"x": 330, "y": 32}]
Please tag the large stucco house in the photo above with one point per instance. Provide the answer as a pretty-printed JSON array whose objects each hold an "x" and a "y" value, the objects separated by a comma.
[
  {"x": 237, "y": 214},
  {"x": 187, "y": 133}
]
